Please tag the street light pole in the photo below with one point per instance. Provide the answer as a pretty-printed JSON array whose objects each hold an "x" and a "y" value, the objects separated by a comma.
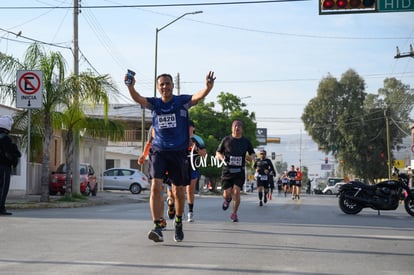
[{"x": 156, "y": 45}]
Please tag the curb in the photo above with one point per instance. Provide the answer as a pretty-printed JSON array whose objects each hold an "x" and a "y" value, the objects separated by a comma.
[
  {"x": 103, "y": 198},
  {"x": 33, "y": 202}
]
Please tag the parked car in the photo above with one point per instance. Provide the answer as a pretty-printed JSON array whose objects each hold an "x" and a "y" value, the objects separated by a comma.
[
  {"x": 125, "y": 179},
  {"x": 333, "y": 181},
  {"x": 333, "y": 190},
  {"x": 317, "y": 190},
  {"x": 88, "y": 184}
]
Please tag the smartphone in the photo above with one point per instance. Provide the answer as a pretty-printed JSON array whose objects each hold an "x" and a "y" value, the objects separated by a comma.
[{"x": 130, "y": 75}]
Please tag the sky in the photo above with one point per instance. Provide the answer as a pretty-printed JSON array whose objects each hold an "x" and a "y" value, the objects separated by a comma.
[{"x": 272, "y": 55}]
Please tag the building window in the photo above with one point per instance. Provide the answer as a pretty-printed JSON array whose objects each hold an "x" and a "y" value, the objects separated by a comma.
[
  {"x": 109, "y": 163},
  {"x": 133, "y": 164}
]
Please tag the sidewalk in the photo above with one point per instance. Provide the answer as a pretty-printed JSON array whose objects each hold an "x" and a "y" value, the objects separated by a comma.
[
  {"x": 22, "y": 201},
  {"x": 16, "y": 201}
]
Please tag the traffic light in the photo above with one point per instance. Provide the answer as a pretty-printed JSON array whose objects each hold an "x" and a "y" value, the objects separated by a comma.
[{"x": 346, "y": 6}]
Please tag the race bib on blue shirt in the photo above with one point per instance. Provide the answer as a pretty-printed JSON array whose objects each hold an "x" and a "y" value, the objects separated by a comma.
[{"x": 167, "y": 121}]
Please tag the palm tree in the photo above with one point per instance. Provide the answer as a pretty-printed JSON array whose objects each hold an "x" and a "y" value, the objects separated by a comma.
[
  {"x": 83, "y": 91},
  {"x": 53, "y": 67},
  {"x": 61, "y": 103}
]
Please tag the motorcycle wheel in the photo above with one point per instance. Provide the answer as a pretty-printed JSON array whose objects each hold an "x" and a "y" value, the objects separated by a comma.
[
  {"x": 349, "y": 206},
  {"x": 409, "y": 205}
]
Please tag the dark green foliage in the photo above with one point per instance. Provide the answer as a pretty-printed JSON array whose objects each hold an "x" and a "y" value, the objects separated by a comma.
[
  {"x": 350, "y": 124},
  {"x": 213, "y": 125}
]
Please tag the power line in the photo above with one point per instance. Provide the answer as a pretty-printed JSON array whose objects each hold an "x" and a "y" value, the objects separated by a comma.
[
  {"x": 153, "y": 5},
  {"x": 220, "y": 25},
  {"x": 405, "y": 74},
  {"x": 32, "y": 19},
  {"x": 190, "y": 82},
  {"x": 301, "y": 35},
  {"x": 89, "y": 63},
  {"x": 107, "y": 45},
  {"x": 34, "y": 40}
]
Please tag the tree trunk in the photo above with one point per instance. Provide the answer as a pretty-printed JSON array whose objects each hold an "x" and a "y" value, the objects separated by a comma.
[
  {"x": 69, "y": 159},
  {"x": 44, "y": 187}
]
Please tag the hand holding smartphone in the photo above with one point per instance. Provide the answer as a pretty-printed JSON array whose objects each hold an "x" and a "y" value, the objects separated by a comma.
[{"x": 130, "y": 76}]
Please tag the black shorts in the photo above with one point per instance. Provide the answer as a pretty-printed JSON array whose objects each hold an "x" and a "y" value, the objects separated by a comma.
[
  {"x": 234, "y": 179},
  {"x": 173, "y": 162},
  {"x": 263, "y": 180},
  {"x": 263, "y": 183}
]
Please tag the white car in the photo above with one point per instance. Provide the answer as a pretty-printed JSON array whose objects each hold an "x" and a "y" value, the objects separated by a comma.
[
  {"x": 333, "y": 190},
  {"x": 125, "y": 179}
]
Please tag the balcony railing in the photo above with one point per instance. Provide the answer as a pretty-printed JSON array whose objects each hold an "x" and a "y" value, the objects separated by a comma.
[{"x": 131, "y": 138}]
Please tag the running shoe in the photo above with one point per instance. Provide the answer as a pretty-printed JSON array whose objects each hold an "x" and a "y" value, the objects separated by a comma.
[
  {"x": 163, "y": 223},
  {"x": 171, "y": 208},
  {"x": 226, "y": 204},
  {"x": 179, "y": 234},
  {"x": 156, "y": 235},
  {"x": 234, "y": 217},
  {"x": 190, "y": 217},
  {"x": 260, "y": 203}
]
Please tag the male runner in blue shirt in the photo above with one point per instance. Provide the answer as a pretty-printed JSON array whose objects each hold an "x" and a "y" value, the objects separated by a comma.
[{"x": 169, "y": 148}]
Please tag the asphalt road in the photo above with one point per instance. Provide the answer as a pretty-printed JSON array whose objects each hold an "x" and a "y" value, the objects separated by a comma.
[{"x": 310, "y": 236}]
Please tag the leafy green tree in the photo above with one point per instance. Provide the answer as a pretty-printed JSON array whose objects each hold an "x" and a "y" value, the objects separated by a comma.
[
  {"x": 234, "y": 108},
  {"x": 213, "y": 126},
  {"x": 350, "y": 124}
]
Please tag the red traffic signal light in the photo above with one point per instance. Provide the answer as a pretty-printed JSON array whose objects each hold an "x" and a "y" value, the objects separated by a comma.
[
  {"x": 346, "y": 6},
  {"x": 328, "y": 4},
  {"x": 341, "y": 4}
]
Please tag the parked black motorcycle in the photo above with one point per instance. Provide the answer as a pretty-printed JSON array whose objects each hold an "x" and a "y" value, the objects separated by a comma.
[{"x": 386, "y": 195}]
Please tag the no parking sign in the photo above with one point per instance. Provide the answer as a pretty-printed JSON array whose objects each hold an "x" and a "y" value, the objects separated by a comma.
[{"x": 29, "y": 89}]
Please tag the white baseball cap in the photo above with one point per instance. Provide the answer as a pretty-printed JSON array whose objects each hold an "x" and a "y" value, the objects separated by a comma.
[{"x": 6, "y": 122}]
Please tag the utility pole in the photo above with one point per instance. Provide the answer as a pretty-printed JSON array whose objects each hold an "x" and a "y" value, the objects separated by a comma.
[
  {"x": 75, "y": 37},
  {"x": 76, "y": 134},
  {"x": 177, "y": 83}
]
